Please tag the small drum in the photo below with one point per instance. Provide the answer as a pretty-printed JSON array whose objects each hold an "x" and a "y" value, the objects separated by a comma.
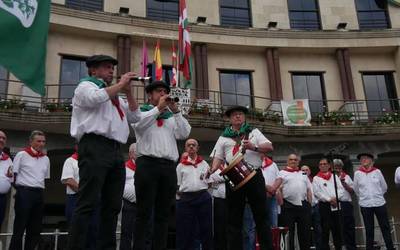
[{"x": 238, "y": 172}]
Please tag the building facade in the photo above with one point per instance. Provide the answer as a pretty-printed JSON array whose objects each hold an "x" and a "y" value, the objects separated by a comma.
[{"x": 342, "y": 55}]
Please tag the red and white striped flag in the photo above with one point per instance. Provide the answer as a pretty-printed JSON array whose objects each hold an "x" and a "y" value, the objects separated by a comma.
[
  {"x": 185, "y": 64},
  {"x": 174, "y": 66}
]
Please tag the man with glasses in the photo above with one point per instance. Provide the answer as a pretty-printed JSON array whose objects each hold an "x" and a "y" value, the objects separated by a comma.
[
  {"x": 297, "y": 197},
  {"x": 160, "y": 126}
]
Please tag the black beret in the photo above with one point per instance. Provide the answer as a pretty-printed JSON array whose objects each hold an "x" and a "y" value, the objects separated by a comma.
[
  {"x": 156, "y": 84},
  {"x": 236, "y": 108},
  {"x": 365, "y": 154},
  {"x": 97, "y": 59}
]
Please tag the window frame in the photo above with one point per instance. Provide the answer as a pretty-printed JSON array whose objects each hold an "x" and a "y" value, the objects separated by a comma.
[
  {"x": 237, "y": 71},
  {"x": 164, "y": 17},
  {"x": 84, "y": 7},
  {"x": 386, "y": 11},
  {"x": 249, "y": 8},
  {"x": 70, "y": 57},
  {"x": 317, "y": 11}
]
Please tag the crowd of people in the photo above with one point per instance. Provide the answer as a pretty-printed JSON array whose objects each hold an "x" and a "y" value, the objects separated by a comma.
[{"x": 214, "y": 209}]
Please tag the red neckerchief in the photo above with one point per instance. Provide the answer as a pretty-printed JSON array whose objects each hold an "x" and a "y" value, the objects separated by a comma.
[
  {"x": 367, "y": 171},
  {"x": 33, "y": 154},
  {"x": 131, "y": 165},
  {"x": 75, "y": 156},
  {"x": 4, "y": 157},
  {"x": 342, "y": 175},
  {"x": 115, "y": 102},
  {"x": 326, "y": 176},
  {"x": 185, "y": 161},
  {"x": 267, "y": 162},
  {"x": 291, "y": 170}
]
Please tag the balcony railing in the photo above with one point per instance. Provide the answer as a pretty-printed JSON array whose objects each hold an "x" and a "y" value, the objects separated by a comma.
[{"x": 209, "y": 103}]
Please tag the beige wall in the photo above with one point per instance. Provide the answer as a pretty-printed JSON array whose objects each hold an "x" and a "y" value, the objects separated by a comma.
[
  {"x": 264, "y": 11},
  {"x": 136, "y": 8},
  {"x": 394, "y": 13},
  {"x": 397, "y": 73},
  {"x": 361, "y": 62},
  {"x": 58, "y": 1},
  {"x": 60, "y": 43},
  {"x": 206, "y": 8},
  {"x": 334, "y": 12},
  {"x": 312, "y": 62},
  {"x": 231, "y": 59}
]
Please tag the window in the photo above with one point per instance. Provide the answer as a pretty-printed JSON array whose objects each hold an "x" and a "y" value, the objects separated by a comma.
[
  {"x": 163, "y": 10},
  {"x": 372, "y": 14},
  {"x": 166, "y": 75},
  {"x": 91, "y": 5},
  {"x": 304, "y": 14},
  {"x": 310, "y": 86},
  {"x": 72, "y": 70},
  {"x": 380, "y": 92},
  {"x": 3, "y": 82},
  {"x": 235, "y": 13},
  {"x": 235, "y": 88}
]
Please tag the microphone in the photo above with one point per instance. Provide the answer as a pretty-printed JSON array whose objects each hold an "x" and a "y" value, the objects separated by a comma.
[{"x": 141, "y": 78}]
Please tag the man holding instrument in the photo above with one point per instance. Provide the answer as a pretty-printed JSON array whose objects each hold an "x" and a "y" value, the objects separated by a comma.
[{"x": 240, "y": 138}]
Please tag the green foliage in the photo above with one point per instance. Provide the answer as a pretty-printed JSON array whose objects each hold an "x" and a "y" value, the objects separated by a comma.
[
  {"x": 392, "y": 117},
  {"x": 13, "y": 104}
]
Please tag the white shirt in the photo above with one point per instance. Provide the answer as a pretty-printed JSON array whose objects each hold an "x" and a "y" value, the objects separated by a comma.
[
  {"x": 324, "y": 190},
  {"x": 370, "y": 188},
  {"x": 397, "y": 176},
  {"x": 346, "y": 195},
  {"x": 70, "y": 171},
  {"x": 217, "y": 185},
  {"x": 160, "y": 142},
  {"x": 129, "y": 190},
  {"x": 190, "y": 178},
  {"x": 270, "y": 174},
  {"x": 295, "y": 185},
  {"x": 224, "y": 148},
  {"x": 93, "y": 112},
  {"x": 5, "y": 182},
  {"x": 31, "y": 171}
]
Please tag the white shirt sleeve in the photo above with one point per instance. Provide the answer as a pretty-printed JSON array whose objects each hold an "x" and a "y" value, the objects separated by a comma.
[
  {"x": 218, "y": 150},
  {"x": 382, "y": 182},
  {"x": 48, "y": 168},
  {"x": 88, "y": 95},
  {"x": 260, "y": 138},
  {"x": 147, "y": 118},
  {"x": 179, "y": 174},
  {"x": 17, "y": 162},
  {"x": 67, "y": 171},
  {"x": 182, "y": 127},
  {"x": 397, "y": 176},
  {"x": 131, "y": 116}
]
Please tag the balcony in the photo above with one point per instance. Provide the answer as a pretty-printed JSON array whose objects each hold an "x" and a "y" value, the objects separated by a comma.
[{"x": 20, "y": 110}]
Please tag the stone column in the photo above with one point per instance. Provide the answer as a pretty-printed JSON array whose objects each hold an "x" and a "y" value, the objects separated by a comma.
[
  {"x": 123, "y": 54},
  {"x": 201, "y": 70}
]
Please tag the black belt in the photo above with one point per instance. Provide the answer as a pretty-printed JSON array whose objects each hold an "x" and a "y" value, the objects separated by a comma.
[
  {"x": 36, "y": 189},
  {"x": 103, "y": 139},
  {"x": 160, "y": 160}
]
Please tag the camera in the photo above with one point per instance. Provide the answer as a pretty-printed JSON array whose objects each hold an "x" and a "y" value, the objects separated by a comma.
[{"x": 172, "y": 99}]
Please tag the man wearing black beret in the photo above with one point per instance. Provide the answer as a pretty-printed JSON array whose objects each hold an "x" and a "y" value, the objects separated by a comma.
[{"x": 99, "y": 123}]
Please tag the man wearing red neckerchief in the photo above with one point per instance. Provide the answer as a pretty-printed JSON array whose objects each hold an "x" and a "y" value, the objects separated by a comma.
[
  {"x": 370, "y": 187},
  {"x": 297, "y": 198},
  {"x": 31, "y": 168},
  {"x": 194, "y": 203},
  {"x": 6, "y": 175},
  {"x": 346, "y": 206},
  {"x": 324, "y": 190}
]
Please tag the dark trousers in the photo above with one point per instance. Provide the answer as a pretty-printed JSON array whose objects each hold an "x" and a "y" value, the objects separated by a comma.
[
  {"x": 330, "y": 222},
  {"x": 383, "y": 221},
  {"x": 316, "y": 225},
  {"x": 254, "y": 191},
  {"x": 300, "y": 215},
  {"x": 220, "y": 222},
  {"x": 192, "y": 209},
  {"x": 155, "y": 185},
  {"x": 128, "y": 222},
  {"x": 28, "y": 216},
  {"x": 94, "y": 222},
  {"x": 3, "y": 204},
  {"x": 348, "y": 225},
  {"x": 101, "y": 174}
]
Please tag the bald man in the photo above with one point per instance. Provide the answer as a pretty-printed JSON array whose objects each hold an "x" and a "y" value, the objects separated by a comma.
[{"x": 194, "y": 204}]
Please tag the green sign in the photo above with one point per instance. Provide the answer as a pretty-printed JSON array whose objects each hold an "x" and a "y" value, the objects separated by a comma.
[{"x": 296, "y": 114}]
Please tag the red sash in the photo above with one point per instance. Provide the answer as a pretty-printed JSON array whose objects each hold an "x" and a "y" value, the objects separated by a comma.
[
  {"x": 185, "y": 161},
  {"x": 291, "y": 170},
  {"x": 4, "y": 157},
  {"x": 131, "y": 165},
  {"x": 115, "y": 102},
  {"x": 267, "y": 162},
  {"x": 75, "y": 156},
  {"x": 33, "y": 154}
]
